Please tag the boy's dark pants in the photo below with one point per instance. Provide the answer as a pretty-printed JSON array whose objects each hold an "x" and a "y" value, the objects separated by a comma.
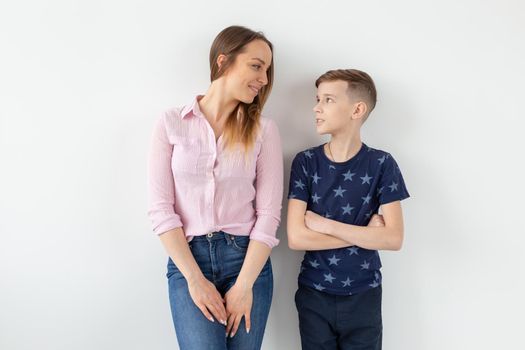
[{"x": 337, "y": 322}]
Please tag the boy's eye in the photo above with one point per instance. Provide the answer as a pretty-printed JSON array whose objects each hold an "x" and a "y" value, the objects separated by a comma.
[{"x": 329, "y": 99}]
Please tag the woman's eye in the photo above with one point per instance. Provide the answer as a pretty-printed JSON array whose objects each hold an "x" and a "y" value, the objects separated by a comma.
[{"x": 256, "y": 66}]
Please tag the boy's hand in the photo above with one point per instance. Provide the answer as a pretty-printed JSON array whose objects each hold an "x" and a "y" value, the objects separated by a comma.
[
  {"x": 316, "y": 222},
  {"x": 377, "y": 221}
]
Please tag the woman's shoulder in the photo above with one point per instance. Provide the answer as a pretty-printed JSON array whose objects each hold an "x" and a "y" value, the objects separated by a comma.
[{"x": 268, "y": 126}]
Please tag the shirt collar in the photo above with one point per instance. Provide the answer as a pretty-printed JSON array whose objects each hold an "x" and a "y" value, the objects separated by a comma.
[{"x": 192, "y": 108}]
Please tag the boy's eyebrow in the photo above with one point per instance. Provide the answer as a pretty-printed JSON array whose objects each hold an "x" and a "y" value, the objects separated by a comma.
[{"x": 331, "y": 95}]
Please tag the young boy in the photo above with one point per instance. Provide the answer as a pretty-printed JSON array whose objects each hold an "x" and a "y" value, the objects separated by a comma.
[{"x": 335, "y": 191}]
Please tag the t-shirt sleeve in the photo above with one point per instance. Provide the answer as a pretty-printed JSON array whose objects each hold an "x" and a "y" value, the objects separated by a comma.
[
  {"x": 299, "y": 187},
  {"x": 391, "y": 186}
]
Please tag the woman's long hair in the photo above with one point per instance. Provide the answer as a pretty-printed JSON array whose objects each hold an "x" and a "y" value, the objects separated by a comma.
[{"x": 243, "y": 124}]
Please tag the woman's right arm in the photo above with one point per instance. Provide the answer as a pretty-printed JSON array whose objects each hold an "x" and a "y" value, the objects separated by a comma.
[
  {"x": 202, "y": 291},
  {"x": 168, "y": 225}
]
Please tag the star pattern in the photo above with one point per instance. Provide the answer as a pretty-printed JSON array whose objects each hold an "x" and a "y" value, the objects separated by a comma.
[
  {"x": 393, "y": 187},
  {"x": 347, "y": 282},
  {"x": 314, "y": 264},
  {"x": 329, "y": 278},
  {"x": 347, "y": 209},
  {"x": 349, "y": 193},
  {"x": 299, "y": 184},
  {"x": 316, "y": 178},
  {"x": 319, "y": 287},
  {"x": 333, "y": 260},
  {"x": 348, "y": 175},
  {"x": 353, "y": 250},
  {"x": 339, "y": 191},
  {"x": 366, "y": 179}
]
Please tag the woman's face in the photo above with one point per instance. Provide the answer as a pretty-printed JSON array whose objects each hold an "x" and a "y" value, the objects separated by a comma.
[{"x": 248, "y": 74}]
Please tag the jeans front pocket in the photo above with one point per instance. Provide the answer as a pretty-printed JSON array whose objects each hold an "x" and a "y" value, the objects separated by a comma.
[{"x": 240, "y": 243}]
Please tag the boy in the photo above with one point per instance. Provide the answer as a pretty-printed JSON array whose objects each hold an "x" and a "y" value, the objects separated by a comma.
[{"x": 335, "y": 191}]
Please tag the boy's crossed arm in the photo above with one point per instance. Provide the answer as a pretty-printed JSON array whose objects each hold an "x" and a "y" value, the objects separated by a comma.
[{"x": 386, "y": 237}]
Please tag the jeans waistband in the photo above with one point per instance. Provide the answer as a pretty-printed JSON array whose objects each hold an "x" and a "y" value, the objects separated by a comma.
[{"x": 214, "y": 236}]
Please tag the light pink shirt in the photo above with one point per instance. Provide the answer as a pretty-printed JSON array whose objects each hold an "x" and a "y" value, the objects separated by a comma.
[{"x": 195, "y": 184}]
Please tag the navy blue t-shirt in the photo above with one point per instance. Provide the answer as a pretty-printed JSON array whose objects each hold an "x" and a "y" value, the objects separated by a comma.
[{"x": 349, "y": 192}]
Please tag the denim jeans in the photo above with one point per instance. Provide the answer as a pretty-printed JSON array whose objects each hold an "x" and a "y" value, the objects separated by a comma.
[
  {"x": 220, "y": 257},
  {"x": 334, "y": 322}
]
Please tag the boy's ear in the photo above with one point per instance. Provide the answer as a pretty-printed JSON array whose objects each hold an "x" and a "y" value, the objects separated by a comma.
[{"x": 359, "y": 110}]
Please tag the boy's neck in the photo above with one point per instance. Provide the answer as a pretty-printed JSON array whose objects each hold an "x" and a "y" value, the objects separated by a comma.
[{"x": 342, "y": 147}]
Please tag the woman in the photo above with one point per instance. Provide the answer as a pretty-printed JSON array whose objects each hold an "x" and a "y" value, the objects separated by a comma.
[{"x": 215, "y": 183}]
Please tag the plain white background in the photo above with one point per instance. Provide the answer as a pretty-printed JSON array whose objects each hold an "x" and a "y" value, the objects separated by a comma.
[{"x": 82, "y": 82}]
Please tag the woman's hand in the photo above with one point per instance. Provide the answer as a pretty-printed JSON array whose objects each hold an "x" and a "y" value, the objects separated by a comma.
[
  {"x": 208, "y": 299},
  {"x": 239, "y": 301}
]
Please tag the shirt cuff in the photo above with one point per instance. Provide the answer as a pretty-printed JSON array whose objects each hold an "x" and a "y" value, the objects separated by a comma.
[{"x": 168, "y": 223}]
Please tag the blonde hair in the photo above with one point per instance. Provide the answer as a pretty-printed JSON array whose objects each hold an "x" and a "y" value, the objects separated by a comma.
[{"x": 243, "y": 124}]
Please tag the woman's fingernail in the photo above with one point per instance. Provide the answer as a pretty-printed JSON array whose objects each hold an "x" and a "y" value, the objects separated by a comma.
[
  {"x": 211, "y": 319},
  {"x": 248, "y": 330}
]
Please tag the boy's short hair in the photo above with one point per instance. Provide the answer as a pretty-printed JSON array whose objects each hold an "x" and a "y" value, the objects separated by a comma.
[{"x": 360, "y": 84}]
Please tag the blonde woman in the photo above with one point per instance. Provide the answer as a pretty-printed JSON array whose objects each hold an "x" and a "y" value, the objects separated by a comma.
[{"x": 215, "y": 186}]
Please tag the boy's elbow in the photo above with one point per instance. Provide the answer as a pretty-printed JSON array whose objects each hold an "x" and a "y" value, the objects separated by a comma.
[
  {"x": 397, "y": 242},
  {"x": 292, "y": 243}
]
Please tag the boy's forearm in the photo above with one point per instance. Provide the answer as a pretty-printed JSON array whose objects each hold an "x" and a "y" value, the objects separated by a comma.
[
  {"x": 374, "y": 238},
  {"x": 302, "y": 238}
]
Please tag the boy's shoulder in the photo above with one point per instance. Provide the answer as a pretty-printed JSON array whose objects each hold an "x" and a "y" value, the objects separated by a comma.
[
  {"x": 372, "y": 151},
  {"x": 307, "y": 153}
]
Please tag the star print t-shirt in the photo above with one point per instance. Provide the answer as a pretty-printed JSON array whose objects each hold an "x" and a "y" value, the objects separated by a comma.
[{"x": 349, "y": 192}]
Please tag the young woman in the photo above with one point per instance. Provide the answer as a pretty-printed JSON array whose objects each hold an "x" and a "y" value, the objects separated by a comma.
[{"x": 215, "y": 186}]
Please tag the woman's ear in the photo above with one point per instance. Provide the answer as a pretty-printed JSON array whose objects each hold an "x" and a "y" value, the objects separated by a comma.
[{"x": 221, "y": 60}]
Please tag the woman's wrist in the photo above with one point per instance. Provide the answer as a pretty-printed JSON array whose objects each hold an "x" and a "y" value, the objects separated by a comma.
[
  {"x": 194, "y": 277},
  {"x": 243, "y": 283}
]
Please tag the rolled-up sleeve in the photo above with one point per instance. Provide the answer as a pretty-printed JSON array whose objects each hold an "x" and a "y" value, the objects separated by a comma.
[
  {"x": 161, "y": 188},
  {"x": 269, "y": 187}
]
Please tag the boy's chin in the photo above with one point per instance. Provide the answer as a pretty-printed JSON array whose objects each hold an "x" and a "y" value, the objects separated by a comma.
[{"x": 322, "y": 131}]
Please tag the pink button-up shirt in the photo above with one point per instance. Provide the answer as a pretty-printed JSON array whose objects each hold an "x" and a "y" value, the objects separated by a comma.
[{"x": 195, "y": 184}]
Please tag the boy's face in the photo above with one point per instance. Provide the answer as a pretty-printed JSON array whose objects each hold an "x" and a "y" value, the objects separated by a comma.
[{"x": 334, "y": 108}]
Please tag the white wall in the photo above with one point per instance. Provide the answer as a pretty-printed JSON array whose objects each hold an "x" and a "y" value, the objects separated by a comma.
[{"x": 82, "y": 82}]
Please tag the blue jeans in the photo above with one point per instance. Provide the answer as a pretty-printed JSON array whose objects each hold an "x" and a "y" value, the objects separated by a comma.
[
  {"x": 335, "y": 322},
  {"x": 220, "y": 258}
]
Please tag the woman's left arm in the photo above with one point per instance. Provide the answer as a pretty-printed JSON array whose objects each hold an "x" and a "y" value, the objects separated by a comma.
[{"x": 268, "y": 203}]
